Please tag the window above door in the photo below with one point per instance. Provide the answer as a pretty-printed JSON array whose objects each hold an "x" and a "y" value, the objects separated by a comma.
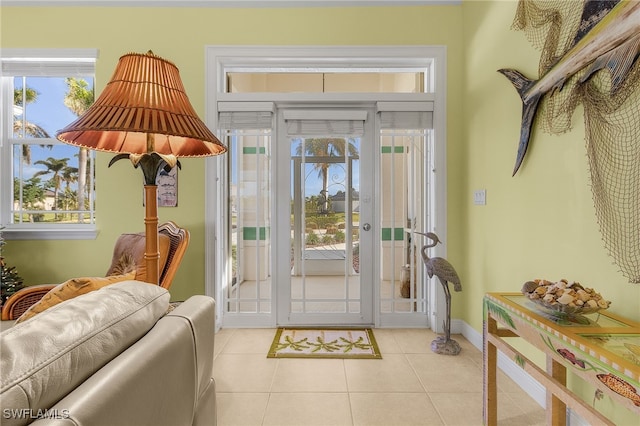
[
  {"x": 322, "y": 81},
  {"x": 365, "y": 73}
]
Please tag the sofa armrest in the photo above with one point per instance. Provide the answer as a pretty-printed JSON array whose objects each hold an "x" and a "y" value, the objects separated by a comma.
[{"x": 199, "y": 312}]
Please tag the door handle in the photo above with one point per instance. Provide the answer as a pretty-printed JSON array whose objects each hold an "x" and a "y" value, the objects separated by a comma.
[{"x": 366, "y": 227}]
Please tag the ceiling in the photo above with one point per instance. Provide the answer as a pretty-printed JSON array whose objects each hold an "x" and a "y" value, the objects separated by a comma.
[{"x": 227, "y": 3}]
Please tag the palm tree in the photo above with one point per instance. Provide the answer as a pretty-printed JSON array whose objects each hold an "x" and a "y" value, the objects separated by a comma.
[
  {"x": 57, "y": 167},
  {"x": 69, "y": 176},
  {"x": 29, "y": 129},
  {"x": 326, "y": 147},
  {"x": 78, "y": 99},
  {"x": 32, "y": 193}
]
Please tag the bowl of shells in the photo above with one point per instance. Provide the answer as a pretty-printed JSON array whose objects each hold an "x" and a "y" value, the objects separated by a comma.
[{"x": 564, "y": 297}]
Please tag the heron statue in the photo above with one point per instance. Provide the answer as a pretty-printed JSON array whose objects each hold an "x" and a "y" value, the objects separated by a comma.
[{"x": 446, "y": 274}]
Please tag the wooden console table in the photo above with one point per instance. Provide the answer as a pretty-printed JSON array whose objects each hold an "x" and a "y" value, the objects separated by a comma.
[{"x": 602, "y": 348}]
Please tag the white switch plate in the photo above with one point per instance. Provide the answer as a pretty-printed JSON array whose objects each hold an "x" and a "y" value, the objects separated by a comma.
[{"x": 480, "y": 197}]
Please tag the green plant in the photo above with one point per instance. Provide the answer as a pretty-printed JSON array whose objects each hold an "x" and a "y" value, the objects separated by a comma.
[
  {"x": 10, "y": 281},
  {"x": 312, "y": 239},
  {"x": 328, "y": 239}
]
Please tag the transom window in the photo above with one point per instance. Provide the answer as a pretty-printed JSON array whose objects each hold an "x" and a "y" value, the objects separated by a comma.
[
  {"x": 327, "y": 81},
  {"x": 48, "y": 188}
]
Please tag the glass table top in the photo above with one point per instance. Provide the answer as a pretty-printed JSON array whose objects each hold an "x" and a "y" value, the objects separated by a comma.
[{"x": 598, "y": 319}]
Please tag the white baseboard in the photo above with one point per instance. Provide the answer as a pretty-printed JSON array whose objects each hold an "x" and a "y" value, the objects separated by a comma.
[{"x": 528, "y": 384}]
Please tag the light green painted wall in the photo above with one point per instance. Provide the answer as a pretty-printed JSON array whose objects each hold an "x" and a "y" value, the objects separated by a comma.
[
  {"x": 540, "y": 223},
  {"x": 180, "y": 35}
]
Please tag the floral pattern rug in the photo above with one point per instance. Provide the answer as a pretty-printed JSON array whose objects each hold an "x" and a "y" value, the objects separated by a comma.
[{"x": 324, "y": 343}]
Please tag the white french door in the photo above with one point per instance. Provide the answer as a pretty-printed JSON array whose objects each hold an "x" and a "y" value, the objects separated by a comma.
[
  {"x": 311, "y": 215},
  {"x": 327, "y": 220}
]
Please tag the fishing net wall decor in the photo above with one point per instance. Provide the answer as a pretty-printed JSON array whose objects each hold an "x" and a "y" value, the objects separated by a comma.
[{"x": 611, "y": 118}]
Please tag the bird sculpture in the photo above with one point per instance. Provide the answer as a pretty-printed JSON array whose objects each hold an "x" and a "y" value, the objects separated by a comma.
[{"x": 446, "y": 274}]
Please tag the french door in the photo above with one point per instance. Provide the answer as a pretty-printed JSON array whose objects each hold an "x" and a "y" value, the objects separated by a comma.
[
  {"x": 312, "y": 214},
  {"x": 321, "y": 208},
  {"x": 327, "y": 220}
]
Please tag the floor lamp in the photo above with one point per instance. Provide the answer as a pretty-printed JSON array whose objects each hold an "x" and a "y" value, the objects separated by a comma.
[{"x": 144, "y": 114}]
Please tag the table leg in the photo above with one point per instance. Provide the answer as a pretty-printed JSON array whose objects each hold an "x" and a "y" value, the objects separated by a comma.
[
  {"x": 490, "y": 406},
  {"x": 556, "y": 409}
]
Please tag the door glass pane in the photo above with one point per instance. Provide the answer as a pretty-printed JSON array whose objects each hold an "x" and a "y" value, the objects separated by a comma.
[
  {"x": 249, "y": 286},
  {"x": 324, "y": 221},
  {"x": 404, "y": 185}
]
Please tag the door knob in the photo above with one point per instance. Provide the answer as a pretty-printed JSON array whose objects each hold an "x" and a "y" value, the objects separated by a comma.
[{"x": 366, "y": 226}]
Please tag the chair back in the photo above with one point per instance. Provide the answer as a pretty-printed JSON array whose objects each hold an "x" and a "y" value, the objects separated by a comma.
[
  {"x": 179, "y": 241},
  {"x": 21, "y": 300}
]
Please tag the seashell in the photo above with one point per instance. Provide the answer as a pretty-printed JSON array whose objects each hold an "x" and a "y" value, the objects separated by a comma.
[
  {"x": 529, "y": 286},
  {"x": 565, "y": 299},
  {"x": 592, "y": 303},
  {"x": 583, "y": 295}
]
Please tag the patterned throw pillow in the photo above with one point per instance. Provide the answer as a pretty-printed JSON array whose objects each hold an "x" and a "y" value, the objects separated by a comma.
[{"x": 70, "y": 289}]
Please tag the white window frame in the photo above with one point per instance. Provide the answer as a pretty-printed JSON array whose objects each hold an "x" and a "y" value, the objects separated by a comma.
[
  {"x": 221, "y": 59},
  {"x": 35, "y": 62}
]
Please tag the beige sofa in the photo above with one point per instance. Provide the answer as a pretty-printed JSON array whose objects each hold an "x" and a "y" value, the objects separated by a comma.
[{"x": 116, "y": 356}]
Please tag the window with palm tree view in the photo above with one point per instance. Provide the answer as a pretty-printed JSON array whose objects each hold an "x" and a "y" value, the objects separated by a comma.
[{"x": 51, "y": 182}]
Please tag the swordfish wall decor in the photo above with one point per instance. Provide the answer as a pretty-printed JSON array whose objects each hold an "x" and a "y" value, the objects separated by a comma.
[{"x": 589, "y": 56}]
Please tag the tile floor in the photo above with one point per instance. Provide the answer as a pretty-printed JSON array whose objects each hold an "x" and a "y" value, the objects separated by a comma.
[{"x": 410, "y": 386}]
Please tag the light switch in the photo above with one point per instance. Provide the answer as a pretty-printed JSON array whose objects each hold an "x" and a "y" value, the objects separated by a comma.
[{"x": 480, "y": 197}]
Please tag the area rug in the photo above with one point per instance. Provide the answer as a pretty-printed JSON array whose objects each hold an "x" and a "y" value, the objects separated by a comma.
[{"x": 324, "y": 343}]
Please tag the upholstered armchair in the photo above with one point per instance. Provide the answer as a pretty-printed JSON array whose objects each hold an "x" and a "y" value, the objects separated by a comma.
[{"x": 128, "y": 255}]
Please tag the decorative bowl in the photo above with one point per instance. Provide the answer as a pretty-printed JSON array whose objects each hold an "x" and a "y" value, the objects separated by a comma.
[
  {"x": 563, "y": 298},
  {"x": 558, "y": 309}
]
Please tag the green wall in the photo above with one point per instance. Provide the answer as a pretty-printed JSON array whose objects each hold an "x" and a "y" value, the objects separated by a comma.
[
  {"x": 538, "y": 224},
  {"x": 180, "y": 35}
]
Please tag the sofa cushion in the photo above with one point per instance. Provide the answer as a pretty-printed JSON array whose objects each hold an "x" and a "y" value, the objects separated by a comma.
[
  {"x": 46, "y": 357},
  {"x": 70, "y": 289},
  {"x": 133, "y": 245}
]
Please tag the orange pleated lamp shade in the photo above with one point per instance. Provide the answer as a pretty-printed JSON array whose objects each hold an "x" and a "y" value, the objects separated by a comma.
[{"x": 143, "y": 109}]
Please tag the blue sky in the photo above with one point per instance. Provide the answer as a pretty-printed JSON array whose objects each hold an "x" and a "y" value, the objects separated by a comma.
[
  {"x": 336, "y": 174},
  {"x": 50, "y": 113}
]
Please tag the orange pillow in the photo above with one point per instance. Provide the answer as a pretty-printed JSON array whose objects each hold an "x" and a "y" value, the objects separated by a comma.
[
  {"x": 133, "y": 245},
  {"x": 70, "y": 289}
]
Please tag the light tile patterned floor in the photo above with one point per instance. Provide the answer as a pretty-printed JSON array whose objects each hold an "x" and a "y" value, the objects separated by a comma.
[{"x": 410, "y": 386}]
